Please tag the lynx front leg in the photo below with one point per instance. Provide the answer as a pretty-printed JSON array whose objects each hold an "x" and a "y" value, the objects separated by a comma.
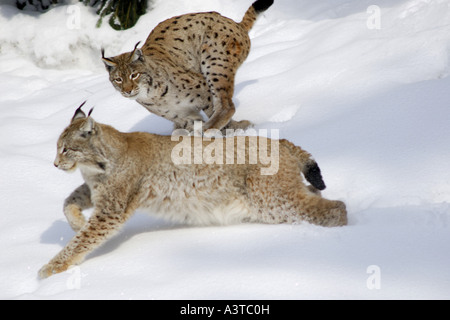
[
  {"x": 103, "y": 224},
  {"x": 78, "y": 201}
]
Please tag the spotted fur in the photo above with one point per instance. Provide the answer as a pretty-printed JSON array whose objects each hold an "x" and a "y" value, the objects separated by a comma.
[
  {"x": 188, "y": 64},
  {"x": 124, "y": 172}
]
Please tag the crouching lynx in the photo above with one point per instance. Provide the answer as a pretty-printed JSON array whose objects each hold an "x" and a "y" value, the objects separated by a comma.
[
  {"x": 188, "y": 64},
  {"x": 124, "y": 172}
]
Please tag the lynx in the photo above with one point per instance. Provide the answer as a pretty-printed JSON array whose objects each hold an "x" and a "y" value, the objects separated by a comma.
[
  {"x": 124, "y": 172},
  {"x": 188, "y": 64}
]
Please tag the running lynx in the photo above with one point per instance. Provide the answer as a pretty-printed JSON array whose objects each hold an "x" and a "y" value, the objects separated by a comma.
[
  {"x": 124, "y": 172},
  {"x": 188, "y": 64}
]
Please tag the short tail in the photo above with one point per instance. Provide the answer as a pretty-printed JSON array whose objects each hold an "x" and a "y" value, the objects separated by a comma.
[
  {"x": 253, "y": 12},
  {"x": 308, "y": 165}
]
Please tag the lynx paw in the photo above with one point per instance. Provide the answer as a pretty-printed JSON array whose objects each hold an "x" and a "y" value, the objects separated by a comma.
[
  {"x": 51, "y": 269},
  {"x": 340, "y": 214},
  {"x": 74, "y": 217},
  {"x": 236, "y": 125}
]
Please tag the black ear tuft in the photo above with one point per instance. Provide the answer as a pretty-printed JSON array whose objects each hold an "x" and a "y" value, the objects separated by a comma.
[
  {"x": 137, "y": 45},
  {"x": 90, "y": 111},
  {"x": 79, "y": 114}
]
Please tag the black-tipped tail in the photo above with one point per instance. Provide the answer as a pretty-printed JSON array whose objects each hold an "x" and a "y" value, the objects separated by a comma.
[
  {"x": 314, "y": 176},
  {"x": 262, "y": 5},
  {"x": 252, "y": 13}
]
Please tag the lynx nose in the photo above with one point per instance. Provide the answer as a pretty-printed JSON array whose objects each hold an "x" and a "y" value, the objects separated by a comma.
[{"x": 56, "y": 162}]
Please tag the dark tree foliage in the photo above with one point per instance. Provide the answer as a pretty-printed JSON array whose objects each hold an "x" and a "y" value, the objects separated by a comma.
[
  {"x": 36, "y": 5},
  {"x": 123, "y": 14}
]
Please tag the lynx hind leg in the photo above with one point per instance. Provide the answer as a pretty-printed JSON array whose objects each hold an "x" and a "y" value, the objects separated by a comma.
[
  {"x": 219, "y": 71},
  {"x": 316, "y": 210},
  {"x": 239, "y": 125},
  {"x": 326, "y": 213},
  {"x": 78, "y": 201},
  {"x": 224, "y": 108},
  {"x": 232, "y": 125},
  {"x": 187, "y": 121},
  {"x": 291, "y": 201}
]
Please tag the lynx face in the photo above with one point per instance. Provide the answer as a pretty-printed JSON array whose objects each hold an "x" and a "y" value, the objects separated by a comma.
[
  {"x": 124, "y": 72},
  {"x": 77, "y": 146}
]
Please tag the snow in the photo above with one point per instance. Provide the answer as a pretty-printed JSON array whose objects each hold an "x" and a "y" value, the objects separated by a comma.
[{"x": 366, "y": 94}]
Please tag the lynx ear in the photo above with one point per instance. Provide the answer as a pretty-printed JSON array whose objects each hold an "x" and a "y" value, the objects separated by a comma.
[
  {"x": 136, "y": 54},
  {"x": 79, "y": 114},
  {"x": 88, "y": 126},
  {"x": 107, "y": 61}
]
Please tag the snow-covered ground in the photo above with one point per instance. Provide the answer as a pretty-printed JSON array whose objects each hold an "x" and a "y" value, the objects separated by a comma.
[{"x": 361, "y": 84}]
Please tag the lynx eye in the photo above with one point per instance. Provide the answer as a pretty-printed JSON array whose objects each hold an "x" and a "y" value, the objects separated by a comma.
[
  {"x": 134, "y": 76},
  {"x": 66, "y": 150},
  {"x": 118, "y": 80}
]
